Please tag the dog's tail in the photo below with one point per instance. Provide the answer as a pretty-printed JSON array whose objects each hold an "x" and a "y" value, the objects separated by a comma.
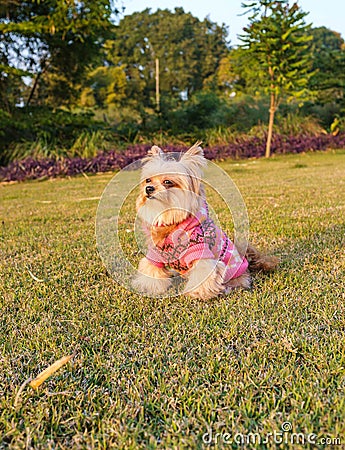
[{"x": 259, "y": 261}]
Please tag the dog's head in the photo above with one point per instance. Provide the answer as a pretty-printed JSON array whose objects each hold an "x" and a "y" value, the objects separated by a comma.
[{"x": 170, "y": 188}]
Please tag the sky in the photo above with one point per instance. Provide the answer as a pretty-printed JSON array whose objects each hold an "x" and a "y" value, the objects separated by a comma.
[{"x": 329, "y": 13}]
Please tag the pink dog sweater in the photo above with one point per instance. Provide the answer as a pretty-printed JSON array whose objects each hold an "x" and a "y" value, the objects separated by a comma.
[{"x": 197, "y": 238}]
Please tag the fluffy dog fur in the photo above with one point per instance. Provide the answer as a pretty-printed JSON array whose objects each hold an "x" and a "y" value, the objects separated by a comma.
[{"x": 171, "y": 191}]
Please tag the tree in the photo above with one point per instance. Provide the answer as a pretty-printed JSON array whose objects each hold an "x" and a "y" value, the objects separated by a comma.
[
  {"x": 52, "y": 42},
  {"x": 107, "y": 86},
  {"x": 328, "y": 50},
  {"x": 276, "y": 39},
  {"x": 189, "y": 51}
]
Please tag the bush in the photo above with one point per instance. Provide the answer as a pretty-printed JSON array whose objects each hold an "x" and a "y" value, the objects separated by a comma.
[
  {"x": 207, "y": 111},
  {"x": 107, "y": 161},
  {"x": 325, "y": 113},
  {"x": 42, "y": 132}
]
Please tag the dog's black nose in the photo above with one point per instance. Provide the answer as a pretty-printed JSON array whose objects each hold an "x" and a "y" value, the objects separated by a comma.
[{"x": 149, "y": 189}]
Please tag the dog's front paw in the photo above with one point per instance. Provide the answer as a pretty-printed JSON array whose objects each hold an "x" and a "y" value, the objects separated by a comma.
[
  {"x": 151, "y": 286},
  {"x": 244, "y": 281},
  {"x": 205, "y": 291},
  {"x": 205, "y": 280},
  {"x": 203, "y": 294}
]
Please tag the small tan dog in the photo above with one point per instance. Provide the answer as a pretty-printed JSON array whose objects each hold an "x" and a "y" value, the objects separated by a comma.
[{"x": 181, "y": 236}]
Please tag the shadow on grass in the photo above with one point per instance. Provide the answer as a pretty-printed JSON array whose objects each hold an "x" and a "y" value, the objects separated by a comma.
[{"x": 296, "y": 251}]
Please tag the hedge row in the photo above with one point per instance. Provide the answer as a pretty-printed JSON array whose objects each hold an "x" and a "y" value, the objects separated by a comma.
[{"x": 29, "y": 169}]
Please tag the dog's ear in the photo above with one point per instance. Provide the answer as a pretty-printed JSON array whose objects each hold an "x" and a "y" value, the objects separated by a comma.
[
  {"x": 195, "y": 150},
  {"x": 155, "y": 151},
  {"x": 195, "y": 155}
]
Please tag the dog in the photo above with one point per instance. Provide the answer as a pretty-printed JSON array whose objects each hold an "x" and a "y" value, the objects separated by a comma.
[{"x": 181, "y": 237}]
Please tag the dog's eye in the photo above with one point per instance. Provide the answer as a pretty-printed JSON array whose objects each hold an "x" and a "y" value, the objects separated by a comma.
[
  {"x": 148, "y": 180},
  {"x": 168, "y": 183}
]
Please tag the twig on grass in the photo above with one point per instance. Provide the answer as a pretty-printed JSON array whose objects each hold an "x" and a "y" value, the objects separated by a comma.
[
  {"x": 19, "y": 393},
  {"x": 52, "y": 394},
  {"x": 34, "y": 277},
  {"x": 49, "y": 371},
  {"x": 84, "y": 175},
  {"x": 41, "y": 377}
]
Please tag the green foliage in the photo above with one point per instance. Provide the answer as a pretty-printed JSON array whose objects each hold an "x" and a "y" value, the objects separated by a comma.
[
  {"x": 291, "y": 124},
  {"x": 328, "y": 79},
  {"x": 295, "y": 124},
  {"x": 276, "y": 38},
  {"x": 207, "y": 110},
  {"x": 73, "y": 58},
  {"x": 41, "y": 132},
  {"x": 106, "y": 86},
  {"x": 55, "y": 41},
  {"x": 86, "y": 145},
  {"x": 324, "y": 112},
  {"x": 201, "y": 112},
  {"x": 244, "y": 73},
  {"x": 189, "y": 51},
  {"x": 89, "y": 143},
  {"x": 221, "y": 135}
]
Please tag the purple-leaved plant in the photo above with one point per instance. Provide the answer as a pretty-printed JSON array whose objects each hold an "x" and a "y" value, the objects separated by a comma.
[{"x": 29, "y": 168}]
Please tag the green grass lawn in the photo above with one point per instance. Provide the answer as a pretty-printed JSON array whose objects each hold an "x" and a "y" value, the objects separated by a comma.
[{"x": 159, "y": 373}]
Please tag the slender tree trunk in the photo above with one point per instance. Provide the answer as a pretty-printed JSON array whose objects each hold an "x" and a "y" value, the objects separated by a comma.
[
  {"x": 270, "y": 125},
  {"x": 33, "y": 89},
  {"x": 38, "y": 76},
  {"x": 157, "y": 86}
]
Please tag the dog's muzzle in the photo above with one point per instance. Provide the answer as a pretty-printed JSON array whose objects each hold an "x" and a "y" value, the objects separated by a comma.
[{"x": 149, "y": 190}]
